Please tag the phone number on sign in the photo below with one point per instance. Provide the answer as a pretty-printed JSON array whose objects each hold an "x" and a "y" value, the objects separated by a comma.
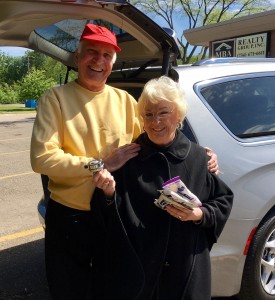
[{"x": 258, "y": 53}]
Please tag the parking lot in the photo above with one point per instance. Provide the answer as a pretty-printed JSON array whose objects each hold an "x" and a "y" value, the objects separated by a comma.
[{"x": 22, "y": 274}]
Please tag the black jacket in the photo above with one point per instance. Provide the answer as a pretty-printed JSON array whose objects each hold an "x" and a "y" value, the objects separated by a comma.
[{"x": 145, "y": 249}]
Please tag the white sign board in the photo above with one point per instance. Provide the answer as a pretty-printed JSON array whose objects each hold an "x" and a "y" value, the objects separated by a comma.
[{"x": 251, "y": 45}]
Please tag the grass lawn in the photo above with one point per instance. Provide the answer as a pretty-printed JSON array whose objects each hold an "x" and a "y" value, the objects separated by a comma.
[{"x": 6, "y": 109}]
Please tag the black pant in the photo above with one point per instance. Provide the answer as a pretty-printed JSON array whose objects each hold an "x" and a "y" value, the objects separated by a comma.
[{"x": 70, "y": 244}]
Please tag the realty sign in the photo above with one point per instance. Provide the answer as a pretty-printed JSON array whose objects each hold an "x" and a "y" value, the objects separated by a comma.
[
  {"x": 252, "y": 45},
  {"x": 224, "y": 48},
  {"x": 255, "y": 45}
]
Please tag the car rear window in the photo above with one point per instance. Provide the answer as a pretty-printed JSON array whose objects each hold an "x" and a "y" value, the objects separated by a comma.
[
  {"x": 245, "y": 106},
  {"x": 66, "y": 34}
]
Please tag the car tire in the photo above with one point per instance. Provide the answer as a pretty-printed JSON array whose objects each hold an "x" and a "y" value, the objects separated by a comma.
[{"x": 258, "y": 281}]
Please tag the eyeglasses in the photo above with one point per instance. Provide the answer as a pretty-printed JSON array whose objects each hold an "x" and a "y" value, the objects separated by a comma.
[{"x": 160, "y": 115}]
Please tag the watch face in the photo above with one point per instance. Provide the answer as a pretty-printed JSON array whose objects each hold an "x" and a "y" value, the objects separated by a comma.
[{"x": 95, "y": 165}]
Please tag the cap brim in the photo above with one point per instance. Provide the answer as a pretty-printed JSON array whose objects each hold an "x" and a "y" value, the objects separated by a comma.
[{"x": 101, "y": 40}]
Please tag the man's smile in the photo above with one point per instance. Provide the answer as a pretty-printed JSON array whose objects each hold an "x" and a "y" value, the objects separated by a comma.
[{"x": 96, "y": 69}]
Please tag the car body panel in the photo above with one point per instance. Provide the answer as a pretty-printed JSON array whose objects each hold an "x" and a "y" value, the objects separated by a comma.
[{"x": 246, "y": 165}]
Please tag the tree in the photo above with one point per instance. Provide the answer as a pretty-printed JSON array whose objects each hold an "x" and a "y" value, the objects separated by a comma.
[
  {"x": 27, "y": 77},
  {"x": 34, "y": 84},
  {"x": 8, "y": 93},
  {"x": 33, "y": 59},
  {"x": 10, "y": 69},
  {"x": 196, "y": 13},
  {"x": 57, "y": 70},
  {"x": 53, "y": 68}
]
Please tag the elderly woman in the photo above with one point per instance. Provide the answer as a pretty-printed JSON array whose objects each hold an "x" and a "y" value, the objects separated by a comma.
[{"x": 151, "y": 253}]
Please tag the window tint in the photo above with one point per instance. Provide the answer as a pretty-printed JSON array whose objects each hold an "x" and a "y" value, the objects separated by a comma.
[
  {"x": 245, "y": 106},
  {"x": 66, "y": 34},
  {"x": 186, "y": 129}
]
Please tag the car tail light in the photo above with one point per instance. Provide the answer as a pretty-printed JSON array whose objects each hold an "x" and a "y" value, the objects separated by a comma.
[{"x": 248, "y": 242}]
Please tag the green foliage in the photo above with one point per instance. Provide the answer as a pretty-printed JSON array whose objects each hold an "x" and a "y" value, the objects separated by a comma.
[
  {"x": 28, "y": 77},
  {"x": 11, "y": 69},
  {"x": 57, "y": 70},
  {"x": 30, "y": 60},
  {"x": 8, "y": 94},
  {"x": 34, "y": 84}
]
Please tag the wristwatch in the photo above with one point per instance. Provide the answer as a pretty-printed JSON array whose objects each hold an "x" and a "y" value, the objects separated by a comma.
[{"x": 94, "y": 165}]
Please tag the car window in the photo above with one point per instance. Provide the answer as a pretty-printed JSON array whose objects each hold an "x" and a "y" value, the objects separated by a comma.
[
  {"x": 66, "y": 33},
  {"x": 186, "y": 129},
  {"x": 245, "y": 106}
]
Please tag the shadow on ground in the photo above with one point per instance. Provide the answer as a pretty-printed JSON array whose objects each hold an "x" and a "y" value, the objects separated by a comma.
[{"x": 22, "y": 272}]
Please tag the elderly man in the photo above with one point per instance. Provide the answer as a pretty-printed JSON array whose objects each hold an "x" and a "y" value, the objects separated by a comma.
[{"x": 75, "y": 124}]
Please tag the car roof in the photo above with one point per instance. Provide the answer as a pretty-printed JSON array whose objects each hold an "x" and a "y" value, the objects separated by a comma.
[
  {"x": 53, "y": 27},
  {"x": 209, "y": 69}
]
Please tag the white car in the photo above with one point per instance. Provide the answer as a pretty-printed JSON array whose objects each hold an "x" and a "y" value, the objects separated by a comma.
[{"x": 231, "y": 110}]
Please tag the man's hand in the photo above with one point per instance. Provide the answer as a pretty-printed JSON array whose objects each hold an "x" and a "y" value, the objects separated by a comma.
[
  {"x": 105, "y": 181},
  {"x": 212, "y": 165},
  {"x": 120, "y": 156}
]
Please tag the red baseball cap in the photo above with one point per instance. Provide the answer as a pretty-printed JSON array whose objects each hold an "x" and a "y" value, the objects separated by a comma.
[{"x": 94, "y": 32}]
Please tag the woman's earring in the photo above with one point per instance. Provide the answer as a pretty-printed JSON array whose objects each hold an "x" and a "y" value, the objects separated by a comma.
[{"x": 179, "y": 125}]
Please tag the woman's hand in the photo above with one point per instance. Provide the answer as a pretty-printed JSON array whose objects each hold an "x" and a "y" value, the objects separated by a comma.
[
  {"x": 184, "y": 214},
  {"x": 105, "y": 181}
]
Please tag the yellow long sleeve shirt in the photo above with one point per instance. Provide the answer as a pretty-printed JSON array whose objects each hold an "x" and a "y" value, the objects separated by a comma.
[{"x": 74, "y": 126}]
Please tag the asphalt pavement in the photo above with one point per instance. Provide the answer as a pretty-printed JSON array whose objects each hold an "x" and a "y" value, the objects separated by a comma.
[{"x": 22, "y": 269}]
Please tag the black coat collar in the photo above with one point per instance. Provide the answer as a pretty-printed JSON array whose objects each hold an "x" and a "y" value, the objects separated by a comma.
[{"x": 179, "y": 148}]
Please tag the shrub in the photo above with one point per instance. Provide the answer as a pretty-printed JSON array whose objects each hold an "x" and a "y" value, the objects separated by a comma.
[
  {"x": 9, "y": 94},
  {"x": 34, "y": 84}
]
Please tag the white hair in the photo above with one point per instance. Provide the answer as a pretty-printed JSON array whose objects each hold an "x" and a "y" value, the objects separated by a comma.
[{"x": 163, "y": 88}]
